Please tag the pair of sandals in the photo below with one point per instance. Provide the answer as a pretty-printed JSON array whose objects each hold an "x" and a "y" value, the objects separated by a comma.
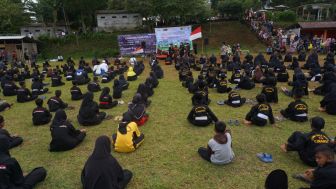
[
  {"x": 233, "y": 122},
  {"x": 265, "y": 157}
]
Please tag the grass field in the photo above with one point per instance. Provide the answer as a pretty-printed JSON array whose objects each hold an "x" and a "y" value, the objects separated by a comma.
[{"x": 168, "y": 158}]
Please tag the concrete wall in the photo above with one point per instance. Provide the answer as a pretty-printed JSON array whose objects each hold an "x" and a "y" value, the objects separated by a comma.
[
  {"x": 38, "y": 31},
  {"x": 113, "y": 22}
]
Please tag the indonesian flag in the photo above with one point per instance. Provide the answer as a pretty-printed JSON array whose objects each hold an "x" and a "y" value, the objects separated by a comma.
[
  {"x": 138, "y": 50},
  {"x": 196, "y": 34}
]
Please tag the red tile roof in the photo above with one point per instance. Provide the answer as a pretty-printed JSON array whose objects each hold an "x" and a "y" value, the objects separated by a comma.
[{"x": 317, "y": 25}]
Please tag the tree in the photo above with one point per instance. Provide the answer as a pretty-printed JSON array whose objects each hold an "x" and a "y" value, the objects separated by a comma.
[
  {"x": 12, "y": 16},
  {"x": 231, "y": 8}
]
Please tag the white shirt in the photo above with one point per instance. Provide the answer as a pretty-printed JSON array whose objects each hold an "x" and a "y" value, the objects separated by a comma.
[{"x": 223, "y": 153}]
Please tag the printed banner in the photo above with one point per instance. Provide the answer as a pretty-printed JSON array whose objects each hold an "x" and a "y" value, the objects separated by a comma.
[
  {"x": 172, "y": 35},
  {"x": 133, "y": 44}
]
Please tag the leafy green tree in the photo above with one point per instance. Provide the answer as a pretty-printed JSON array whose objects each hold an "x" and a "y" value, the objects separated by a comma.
[{"x": 12, "y": 16}]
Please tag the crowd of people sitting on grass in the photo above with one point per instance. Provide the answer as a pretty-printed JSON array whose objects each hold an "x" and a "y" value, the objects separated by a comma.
[
  {"x": 101, "y": 169},
  {"x": 212, "y": 75},
  {"x": 280, "y": 39}
]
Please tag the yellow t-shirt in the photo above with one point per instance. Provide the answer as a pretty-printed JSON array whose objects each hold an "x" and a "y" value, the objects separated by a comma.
[
  {"x": 130, "y": 72},
  {"x": 124, "y": 142}
]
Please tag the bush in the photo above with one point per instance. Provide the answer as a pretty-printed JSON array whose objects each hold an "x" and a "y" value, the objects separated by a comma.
[
  {"x": 284, "y": 16},
  {"x": 230, "y": 8}
]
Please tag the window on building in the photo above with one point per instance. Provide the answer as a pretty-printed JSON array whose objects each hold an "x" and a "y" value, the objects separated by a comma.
[
  {"x": 114, "y": 17},
  {"x": 37, "y": 30},
  {"x": 124, "y": 16},
  {"x": 26, "y": 31},
  {"x": 136, "y": 16},
  {"x": 102, "y": 17}
]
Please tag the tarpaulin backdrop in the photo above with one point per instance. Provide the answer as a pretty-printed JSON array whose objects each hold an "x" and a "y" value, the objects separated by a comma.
[
  {"x": 172, "y": 35},
  {"x": 128, "y": 44}
]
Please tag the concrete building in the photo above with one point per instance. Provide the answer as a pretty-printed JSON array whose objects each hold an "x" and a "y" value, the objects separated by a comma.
[
  {"x": 324, "y": 29},
  {"x": 314, "y": 12},
  {"x": 109, "y": 21},
  {"x": 38, "y": 29}
]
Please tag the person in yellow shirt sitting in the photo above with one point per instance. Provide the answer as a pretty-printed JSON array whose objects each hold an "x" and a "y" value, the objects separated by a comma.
[
  {"x": 131, "y": 75},
  {"x": 128, "y": 136}
]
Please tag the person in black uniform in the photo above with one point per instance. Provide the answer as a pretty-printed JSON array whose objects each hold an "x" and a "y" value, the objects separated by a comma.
[
  {"x": 201, "y": 115},
  {"x": 4, "y": 105},
  {"x": 306, "y": 143},
  {"x": 261, "y": 113},
  {"x": 297, "y": 110},
  {"x": 13, "y": 140},
  {"x": 222, "y": 85},
  {"x": 24, "y": 94},
  {"x": 235, "y": 100},
  {"x": 270, "y": 90},
  {"x": 38, "y": 87},
  {"x": 328, "y": 103},
  {"x": 137, "y": 109},
  {"x": 143, "y": 90},
  {"x": 105, "y": 99},
  {"x": 201, "y": 95},
  {"x": 55, "y": 103},
  {"x": 236, "y": 77},
  {"x": 81, "y": 77},
  {"x": 117, "y": 89},
  {"x": 56, "y": 79},
  {"x": 123, "y": 82},
  {"x": 155, "y": 81},
  {"x": 40, "y": 115},
  {"x": 89, "y": 114},
  {"x": 102, "y": 170},
  {"x": 63, "y": 133},
  {"x": 9, "y": 88},
  {"x": 282, "y": 75},
  {"x": 246, "y": 83},
  {"x": 76, "y": 93},
  {"x": 94, "y": 85},
  {"x": 11, "y": 175}
]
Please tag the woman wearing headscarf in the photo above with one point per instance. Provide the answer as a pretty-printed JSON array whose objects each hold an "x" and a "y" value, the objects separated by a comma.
[
  {"x": 131, "y": 75},
  {"x": 105, "y": 99},
  {"x": 138, "y": 110},
  {"x": 143, "y": 90},
  {"x": 11, "y": 172},
  {"x": 128, "y": 137},
  {"x": 117, "y": 89},
  {"x": 155, "y": 81},
  {"x": 122, "y": 81},
  {"x": 328, "y": 104},
  {"x": 63, "y": 133},
  {"x": 277, "y": 179},
  {"x": 148, "y": 84},
  {"x": 89, "y": 114},
  {"x": 102, "y": 170}
]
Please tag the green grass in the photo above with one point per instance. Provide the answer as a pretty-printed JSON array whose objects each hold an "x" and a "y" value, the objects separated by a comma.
[{"x": 168, "y": 158}]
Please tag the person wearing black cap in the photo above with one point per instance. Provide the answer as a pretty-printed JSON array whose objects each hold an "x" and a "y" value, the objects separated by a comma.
[
  {"x": 235, "y": 100},
  {"x": 89, "y": 113},
  {"x": 105, "y": 99},
  {"x": 63, "y": 133},
  {"x": 11, "y": 171},
  {"x": 137, "y": 109},
  {"x": 277, "y": 179},
  {"x": 94, "y": 85},
  {"x": 261, "y": 113},
  {"x": 38, "y": 87},
  {"x": 102, "y": 170},
  {"x": 8, "y": 87},
  {"x": 117, "y": 89},
  {"x": 55, "y": 103},
  {"x": 328, "y": 103},
  {"x": 40, "y": 115},
  {"x": 13, "y": 140},
  {"x": 297, "y": 110},
  {"x": 24, "y": 94},
  {"x": 305, "y": 143},
  {"x": 76, "y": 93},
  {"x": 128, "y": 137},
  {"x": 201, "y": 115}
]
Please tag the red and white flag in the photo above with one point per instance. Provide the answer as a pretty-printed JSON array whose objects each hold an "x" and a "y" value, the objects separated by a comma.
[
  {"x": 196, "y": 34},
  {"x": 138, "y": 50}
]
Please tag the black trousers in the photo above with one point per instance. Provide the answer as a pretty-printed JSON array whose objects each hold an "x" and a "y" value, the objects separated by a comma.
[
  {"x": 3, "y": 106},
  {"x": 203, "y": 152},
  {"x": 35, "y": 176},
  {"x": 296, "y": 141},
  {"x": 293, "y": 117},
  {"x": 127, "y": 178},
  {"x": 15, "y": 141}
]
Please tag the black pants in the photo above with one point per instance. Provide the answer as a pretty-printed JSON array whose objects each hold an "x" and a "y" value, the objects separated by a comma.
[
  {"x": 137, "y": 140},
  {"x": 3, "y": 106},
  {"x": 242, "y": 101},
  {"x": 15, "y": 141},
  {"x": 256, "y": 120},
  {"x": 296, "y": 142},
  {"x": 293, "y": 117},
  {"x": 127, "y": 178},
  {"x": 35, "y": 176},
  {"x": 203, "y": 152},
  {"x": 40, "y": 92}
]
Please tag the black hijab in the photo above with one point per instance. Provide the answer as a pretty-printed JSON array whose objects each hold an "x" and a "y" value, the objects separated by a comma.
[
  {"x": 59, "y": 118},
  {"x": 142, "y": 89},
  {"x": 88, "y": 107},
  {"x": 87, "y": 100},
  {"x": 102, "y": 171},
  {"x": 137, "y": 108},
  {"x": 105, "y": 92},
  {"x": 277, "y": 179},
  {"x": 331, "y": 96}
]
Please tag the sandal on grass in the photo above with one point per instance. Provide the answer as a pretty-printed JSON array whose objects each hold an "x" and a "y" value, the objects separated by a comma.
[
  {"x": 264, "y": 157},
  {"x": 236, "y": 122},
  {"x": 220, "y": 102}
]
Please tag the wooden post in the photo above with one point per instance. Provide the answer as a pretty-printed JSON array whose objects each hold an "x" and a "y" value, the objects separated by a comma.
[
  {"x": 325, "y": 35},
  {"x": 202, "y": 46}
]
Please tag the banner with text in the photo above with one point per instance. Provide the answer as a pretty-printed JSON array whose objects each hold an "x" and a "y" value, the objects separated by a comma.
[
  {"x": 172, "y": 35},
  {"x": 133, "y": 44}
]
